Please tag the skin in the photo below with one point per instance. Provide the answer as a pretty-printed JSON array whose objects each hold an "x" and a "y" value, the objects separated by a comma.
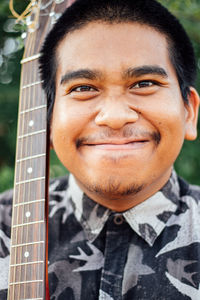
[{"x": 119, "y": 120}]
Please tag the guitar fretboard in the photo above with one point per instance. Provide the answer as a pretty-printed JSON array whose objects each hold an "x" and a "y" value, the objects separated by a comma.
[{"x": 27, "y": 262}]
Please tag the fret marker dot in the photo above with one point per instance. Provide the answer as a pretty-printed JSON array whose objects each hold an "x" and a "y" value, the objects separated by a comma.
[
  {"x": 26, "y": 254},
  {"x": 29, "y": 170},
  {"x": 28, "y": 214},
  {"x": 31, "y": 123}
]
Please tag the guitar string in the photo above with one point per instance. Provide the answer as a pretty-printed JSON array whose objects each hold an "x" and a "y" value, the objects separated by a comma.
[
  {"x": 25, "y": 147},
  {"x": 29, "y": 163},
  {"x": 40, "y": 174},
  {"x": 26, "y": 139},
  {"x": 19, "y": 154},
  {"x": 37, "y": 211},
  {"x": 28, "y": 151},
  {"x": 42, "y": 247},
  {"x": 20, "y": 210},
  {"x": 31, "y": 116},
  {"x": 24, "y": 190}
]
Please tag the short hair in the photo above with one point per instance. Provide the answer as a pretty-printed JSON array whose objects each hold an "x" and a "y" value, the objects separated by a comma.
[{"x": 147, "y": 12}]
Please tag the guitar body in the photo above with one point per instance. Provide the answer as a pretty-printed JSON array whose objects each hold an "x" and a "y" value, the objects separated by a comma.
[{"x": 29, "y": 235}]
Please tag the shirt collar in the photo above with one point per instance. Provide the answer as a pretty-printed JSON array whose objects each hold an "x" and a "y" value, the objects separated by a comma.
[{"x": 147, "y": 219}]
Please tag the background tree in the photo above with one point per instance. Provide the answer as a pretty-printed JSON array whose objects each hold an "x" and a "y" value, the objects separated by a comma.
[{"x": 11, "y": 50}]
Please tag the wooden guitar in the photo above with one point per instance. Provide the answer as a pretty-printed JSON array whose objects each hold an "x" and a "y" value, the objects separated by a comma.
[{"x": 29, "y": 234}]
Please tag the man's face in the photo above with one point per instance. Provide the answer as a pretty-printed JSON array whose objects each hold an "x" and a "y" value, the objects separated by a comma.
[{"x": 119, "y": 119}]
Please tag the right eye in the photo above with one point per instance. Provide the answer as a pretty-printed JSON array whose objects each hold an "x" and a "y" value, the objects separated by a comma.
[
  {"x": 143, "y": 84},
  {"x": 83, "y": 88}
]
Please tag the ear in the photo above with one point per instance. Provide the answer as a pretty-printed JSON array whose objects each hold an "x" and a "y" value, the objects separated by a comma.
[{"x": 192, "y": 108}]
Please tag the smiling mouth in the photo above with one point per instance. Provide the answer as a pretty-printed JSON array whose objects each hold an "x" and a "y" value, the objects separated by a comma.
[{"x": 120, "y": 145}]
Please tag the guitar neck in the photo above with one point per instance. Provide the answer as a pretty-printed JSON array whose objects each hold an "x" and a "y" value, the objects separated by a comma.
[
  {"x": 28, "y": 249},
  {"x": 28, "y": 255}
]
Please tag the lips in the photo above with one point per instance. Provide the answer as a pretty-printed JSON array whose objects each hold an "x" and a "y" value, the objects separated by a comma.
[
  {"x": 119, "y": 146},
  {"x": 116, "y": 143}
]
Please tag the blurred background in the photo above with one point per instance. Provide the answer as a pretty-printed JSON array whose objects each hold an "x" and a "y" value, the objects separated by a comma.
[{"x": 11, "y": 50}]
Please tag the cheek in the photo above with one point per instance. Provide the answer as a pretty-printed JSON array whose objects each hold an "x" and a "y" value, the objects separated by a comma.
[
  {"x": 166, "y": 111},
  {"x": 68, "y": 122},
  {"x": 168, "y": 117}
]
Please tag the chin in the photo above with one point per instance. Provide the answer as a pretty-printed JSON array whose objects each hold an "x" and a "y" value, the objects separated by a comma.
[{"x": 111, "y": 187}]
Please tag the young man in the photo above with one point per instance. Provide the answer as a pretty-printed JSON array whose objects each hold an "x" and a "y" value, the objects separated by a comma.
[{"x": 119, "y": 78}]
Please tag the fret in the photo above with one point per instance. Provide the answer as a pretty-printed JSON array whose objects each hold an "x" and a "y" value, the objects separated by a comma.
[
  {"x": 26, "y": 101},
  {"x": 28, "y": 235},
  {"x": 31, "y": 133},
  {"x": 31, "y": 145},
  {"x": 29, "y": 223},
  {"x": 27, "y": 291},
  {"x": 32, "y": 299},
  {"x": 30, "y": 157},
  {"x": 29, "y": 192},
  {"x": 36, "y": 252},
  {"x": 30, "y": 169},
  {"x": 25, "y": 274},
  {"x": 31, "y": 84},
  {"x": 30, "y": 58},
  {"x": 32, "y": 109},
  {"x": 29, "y": 202},
  {"x": 28, "y": 212},
  {"x": 28, "y": 263},
  {"x": 28, "y": 76},
  {"x": 28, "y": 281},
  {"x": 30, "y": 180},
  {"x": 27, "y": 244},
  {"x": 32, "y": 121}
]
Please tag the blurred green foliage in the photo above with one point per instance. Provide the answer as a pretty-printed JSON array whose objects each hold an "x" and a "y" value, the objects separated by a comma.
[{"x": 11, "y": 44}]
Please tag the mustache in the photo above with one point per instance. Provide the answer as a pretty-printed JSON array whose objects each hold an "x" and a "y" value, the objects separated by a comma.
[{"x": 127, "y": 133}]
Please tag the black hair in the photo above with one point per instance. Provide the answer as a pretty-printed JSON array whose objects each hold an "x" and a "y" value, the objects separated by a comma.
[{"x": 148, "y": 12}]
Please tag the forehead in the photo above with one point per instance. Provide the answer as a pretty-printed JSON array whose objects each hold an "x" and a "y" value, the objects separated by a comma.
[{"x": 112, "y": 47}]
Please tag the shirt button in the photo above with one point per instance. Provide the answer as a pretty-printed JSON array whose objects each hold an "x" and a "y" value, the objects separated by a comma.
[{"x": 118, "y": 220}]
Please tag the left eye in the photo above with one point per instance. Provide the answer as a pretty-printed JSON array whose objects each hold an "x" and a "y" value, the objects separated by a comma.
[
  {"x": 143, "y": 84},
  {"x": 83, "y": 88}
]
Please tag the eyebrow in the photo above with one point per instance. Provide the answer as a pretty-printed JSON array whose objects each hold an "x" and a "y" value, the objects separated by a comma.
[
  {"x": 145, "y": 70},
  {"x": 129, "y": 73},
  {"x": 82, "y": 73}
]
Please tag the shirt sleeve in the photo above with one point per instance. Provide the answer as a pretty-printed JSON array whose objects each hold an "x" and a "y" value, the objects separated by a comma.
[{"x": 5, "y": 232}]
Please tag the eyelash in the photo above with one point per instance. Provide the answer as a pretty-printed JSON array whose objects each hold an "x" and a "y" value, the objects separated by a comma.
[
  {"x": 87, "y": 88},
  {"x": 83, "y": 86},
  {"x": 145, "y": 81}
]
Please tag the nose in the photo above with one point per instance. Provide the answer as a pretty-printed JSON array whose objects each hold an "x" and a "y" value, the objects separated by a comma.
[{"x": 115, "y": 113}]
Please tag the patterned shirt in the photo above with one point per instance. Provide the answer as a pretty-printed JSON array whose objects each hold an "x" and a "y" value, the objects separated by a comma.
[{"x": 151, "y": 251}]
